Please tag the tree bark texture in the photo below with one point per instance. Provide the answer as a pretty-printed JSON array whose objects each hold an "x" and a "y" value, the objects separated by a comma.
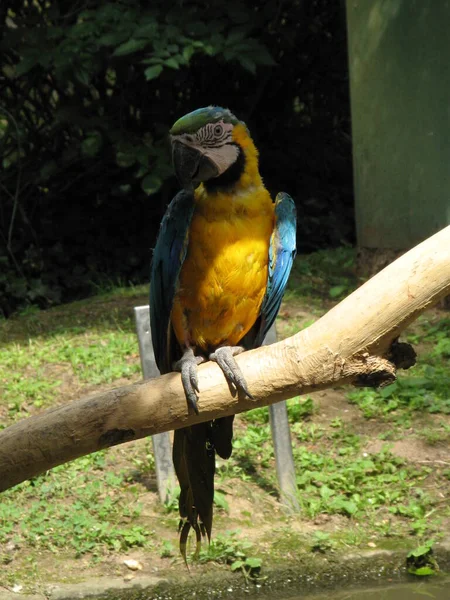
[{"x": 355, "y": 342}]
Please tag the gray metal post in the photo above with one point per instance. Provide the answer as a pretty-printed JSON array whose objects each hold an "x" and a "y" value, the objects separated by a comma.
[
  {"x": 162, "y": 447},
  {"x": 279, "y": 424},
  {"x": 282, "y": 444}
]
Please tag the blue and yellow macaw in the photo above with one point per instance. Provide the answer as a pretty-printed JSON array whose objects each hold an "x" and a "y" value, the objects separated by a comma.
[{"x": 219, "y": 271}]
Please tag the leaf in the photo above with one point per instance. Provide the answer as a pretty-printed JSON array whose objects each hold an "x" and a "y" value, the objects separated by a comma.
[
  {"x": 172, "y": 63},
  {"x": 153, "y": 72},
  {"x": 154, "y": 60},
  {"x": 345, "y": 506},
  {"x": 197, "y": 29},
  {"x": 337, "y": 290},
  {"x": 263, "y": 56},
  {"x": 253, "y": 563},
  {"x": 91, "y": 145},
  {"x": 25, "y": 65},
  {"x": 387, "y": 391},
  {"x": 130, "y": 46},
  {"x": 188, "y": 51},
  {"x": 217, "y": 41},
  {"x": 125, "y": 159},
  {"x": 236, "y": 565},
  {"x": 326, "y": 492},
  {"x": 237, "y": 35},
  {"x": 248, "y": 64},
  {"x": 147, "y": 31},
  {"x": 112, "y": 38},
  {"x": 151, "y": 184},
  {"x": 422, "y": 571},
  {"x": 420, "y": 550},
  {"x": 220, "y": 501},
  {"x": 121, "y": 190},
  {"x": 416, "y": 382},
  {"x": 82, "y": 76},
  {"x": 48, "y": 169}
]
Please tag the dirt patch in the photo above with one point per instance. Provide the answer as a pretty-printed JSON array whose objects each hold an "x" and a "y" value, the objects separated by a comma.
[{"x": 414, "y": 450}]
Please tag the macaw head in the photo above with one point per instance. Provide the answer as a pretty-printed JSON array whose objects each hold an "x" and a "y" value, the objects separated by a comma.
[{"x": 205, "y": 146}]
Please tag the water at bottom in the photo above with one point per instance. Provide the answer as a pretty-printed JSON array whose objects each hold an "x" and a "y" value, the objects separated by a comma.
[{"x": 435, "y": 589}]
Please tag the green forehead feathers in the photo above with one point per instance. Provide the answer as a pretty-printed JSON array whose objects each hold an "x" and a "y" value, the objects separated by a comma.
[{"x": 196, "y": 119}]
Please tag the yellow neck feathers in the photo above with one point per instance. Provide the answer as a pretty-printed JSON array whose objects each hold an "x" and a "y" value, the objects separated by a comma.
[
  {"x": 248, "y": 193},
  {"x": 250, "y": 176}
]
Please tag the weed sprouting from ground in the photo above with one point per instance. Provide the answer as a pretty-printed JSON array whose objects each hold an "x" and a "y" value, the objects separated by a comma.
[{"x": 229, "y": 549}]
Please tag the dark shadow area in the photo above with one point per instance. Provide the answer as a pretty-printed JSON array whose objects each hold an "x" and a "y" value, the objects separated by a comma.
[
  {"x": 88, "y": 97},
  {"x": 256, "y": 475}
]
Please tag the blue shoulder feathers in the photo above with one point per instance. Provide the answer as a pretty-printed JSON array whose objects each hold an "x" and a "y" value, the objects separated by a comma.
[
  {"x": 168, "y": 257},
  {"x": 282, "y": 252}
]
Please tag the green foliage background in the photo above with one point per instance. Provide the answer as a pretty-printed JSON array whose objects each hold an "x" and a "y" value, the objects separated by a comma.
[{"x": 88, "y": 91}]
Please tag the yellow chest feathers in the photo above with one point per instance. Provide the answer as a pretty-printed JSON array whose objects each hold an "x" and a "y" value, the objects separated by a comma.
[{"x": 224, "y": 276}]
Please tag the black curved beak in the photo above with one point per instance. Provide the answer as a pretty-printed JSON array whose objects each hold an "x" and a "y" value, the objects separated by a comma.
[{"x": 191, "y": 166}]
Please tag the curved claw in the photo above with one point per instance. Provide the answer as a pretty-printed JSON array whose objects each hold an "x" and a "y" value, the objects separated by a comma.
[
  {"x": 184, "y": 534},
  {"x": 224, "y": 358},
  {"x": 187, "y": 365},
  {"x": 184, "y": 529},
  {"x": 198, "y": 538}
]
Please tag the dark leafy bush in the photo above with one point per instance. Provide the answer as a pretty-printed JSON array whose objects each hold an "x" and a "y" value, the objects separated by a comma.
[{"x": 88, "y": 93}]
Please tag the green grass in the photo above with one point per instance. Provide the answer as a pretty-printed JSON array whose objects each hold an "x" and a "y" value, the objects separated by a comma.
[
  {"x": 93, "y": 357},
  {"x": 80, "y": 507},
  {"x": 336, "y": 477},
  {"x": 348, "y": 496},
  {"x": 355, "y": 485},
  {"x": 87, "y": 343}
]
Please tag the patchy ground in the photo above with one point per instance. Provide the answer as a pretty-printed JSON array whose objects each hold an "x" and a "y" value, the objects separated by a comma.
[{"x": 373, "y": 467}]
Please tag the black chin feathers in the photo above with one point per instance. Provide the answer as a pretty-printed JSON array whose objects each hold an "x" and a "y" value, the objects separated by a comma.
[{"x": 228, "y": 177}]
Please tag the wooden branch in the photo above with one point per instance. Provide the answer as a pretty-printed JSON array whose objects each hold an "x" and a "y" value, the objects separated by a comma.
[{"x": 355, "y": 342}]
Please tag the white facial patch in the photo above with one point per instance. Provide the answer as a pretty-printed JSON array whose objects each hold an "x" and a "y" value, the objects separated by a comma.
[
  {"x": 214, "y": 140},
  {"x": 223, "y": 157}
]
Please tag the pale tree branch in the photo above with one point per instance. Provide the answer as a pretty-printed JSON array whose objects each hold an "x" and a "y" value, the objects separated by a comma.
[{"x": 355, "y": 342}]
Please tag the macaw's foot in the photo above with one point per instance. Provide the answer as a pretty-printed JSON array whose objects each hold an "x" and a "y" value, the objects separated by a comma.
[
  {"x": 187, "y": 366},
  {"x": 224, "y": 358}
]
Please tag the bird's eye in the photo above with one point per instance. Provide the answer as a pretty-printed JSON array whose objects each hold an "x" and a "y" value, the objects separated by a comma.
[{"x": 218, "y": 130}]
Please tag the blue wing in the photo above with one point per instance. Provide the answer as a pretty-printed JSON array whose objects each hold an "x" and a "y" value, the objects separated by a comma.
[
  {"x": 168, "y": 257},
  {"x": 282, "y": 252}
]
